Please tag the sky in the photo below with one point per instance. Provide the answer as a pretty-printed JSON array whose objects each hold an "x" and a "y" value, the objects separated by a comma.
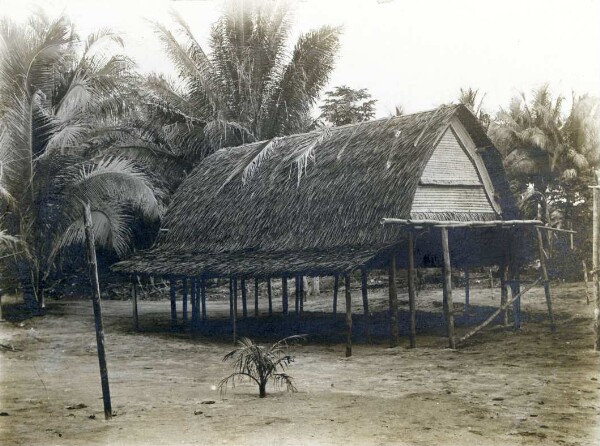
[{"x": 417, "y": 54}]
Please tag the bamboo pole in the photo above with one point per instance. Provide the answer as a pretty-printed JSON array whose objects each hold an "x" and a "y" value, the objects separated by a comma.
[
  {"x": 244, "y": 299},
  {"x": 173, "y": 293},
  {"x": 365, "y": 299},
  {"x": 184, "y": 299},
  {"x": 393, "y": 296},
  {"x": 545, "y": 278},
  {"x": 348, "y": 317},
  {"x": 336, "y": 288},
  {"x": 284, "y": 295},
  {"x": 411, "y": 290},
  {"x": 235, "y": 307},
  {"x": 448, "y": 289},
  {"x": 496, "y": 313},
  {"x": 270, "y": 296},
  {"x": 255, "y": 297},
  {"x": 136, "y": 323},
  {"x": 203, "y": 297},
  {"x": 93, "y": 272}
]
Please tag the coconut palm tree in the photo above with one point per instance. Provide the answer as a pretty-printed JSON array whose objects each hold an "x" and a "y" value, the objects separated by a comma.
[
  {"x": 245, "y": 88},
  {"x": 260, "y": 364},
  {"x": 57, "y": 95}
]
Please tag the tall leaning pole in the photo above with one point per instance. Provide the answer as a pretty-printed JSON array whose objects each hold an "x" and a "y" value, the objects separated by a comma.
[
  {"x": 596, "y": 255},
  {"x": 93, "y": 271}
]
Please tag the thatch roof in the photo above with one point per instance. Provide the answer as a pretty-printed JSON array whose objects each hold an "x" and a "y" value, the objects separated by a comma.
[{"x": 308, "y": 203}]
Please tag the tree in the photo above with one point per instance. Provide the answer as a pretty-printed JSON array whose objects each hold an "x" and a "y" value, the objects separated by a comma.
[
  {"x": 57, "y": 94},
  {"x": 261, "y": 364},
  {"x": 469, "y": 98},
  {"x": 245, "y": 88},
  {"x": 344, "y": 105}
]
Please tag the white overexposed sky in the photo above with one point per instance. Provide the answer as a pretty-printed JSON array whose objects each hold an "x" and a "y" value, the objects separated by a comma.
[{"x": 414, "y": 53}]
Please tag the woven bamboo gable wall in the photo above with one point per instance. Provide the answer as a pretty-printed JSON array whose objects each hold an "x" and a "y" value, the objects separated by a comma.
[{"x": 453, "y": 183}]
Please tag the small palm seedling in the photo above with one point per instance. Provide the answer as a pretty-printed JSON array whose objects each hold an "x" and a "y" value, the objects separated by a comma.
[{"x": 260, "y": 364}]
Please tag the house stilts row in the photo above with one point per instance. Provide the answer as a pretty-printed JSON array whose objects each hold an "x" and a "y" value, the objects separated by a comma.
[{"x": 421, "y": 190}]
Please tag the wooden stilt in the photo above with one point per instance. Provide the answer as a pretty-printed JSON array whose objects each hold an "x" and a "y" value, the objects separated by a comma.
[
  {"x": 336, "y": 288},
  {"x": 515, "y": 284},
  {"x": 348, "y": 318},
  {"x": 284, "y": 295},
  {"x": 255, "y": 297},
  {"x": 244, "y": 299},
  {"x": 184, "y": 300},
  {"x": 231, "y": 300},
  {"x": 365, "y": 299},
  {"x": 467, "y": 290},
  {"x": 545, "y": 278},
  {"x": 297, "y": 295},
  {"x": 448, "y": 289},
  {"x": 504, "y": 292},
  {"x": 393, "y": 295},
  {"x": 301, "y": 297},
  {"x": 411, "y": 290},
  {"x": 193, "y": 291},
  {"x": 136, "y": 322},
  {"x": 234, "y": 313},
  {"x": 203, "y": 297},
  {"x": 173, "y": 293},
  {"x": 270, "y": 296}
]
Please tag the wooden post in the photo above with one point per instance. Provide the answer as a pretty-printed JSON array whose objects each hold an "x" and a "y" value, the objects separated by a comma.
[
  {"x": 596, "y": 261},
  {"x": 545, "y": 278},
  {"x": 393, "y": 295},
  {"x": 173, "y": 293},
  {"x": 193, "y": 301},
  {"x": 203, "y": 297},
  {"x": 234, "y": 312},
  {"x": 297, "y": 294},
  {"x": 1, "y": 316},
  {"x": 184, "y": 300},
  {"x": 586, "y": 280},
  {"x": 136, "y": 323},
  {"x": 515, "y": 284},
  {"x": 270, "y": 296},
  {"x": 336, "y": 288},
  {"x": 284, "y": 295},
  {"x": 467, "y": 290},
  {"x": 231, "y": 299},
  {"x": 93, "y": 272},
  {"x": 244, "y": 299},
  {"x": 302, "y": 297},
  {"x": 448, "y": 289},
  {"x": 255, "y": 297},
  {"x": 411, "y": 290},
  {"x": 365, "y": 299},
  {"x": 491, "y": 283},
  {"x": 348, "y": 317},
  {"x": 504, "y": 291}
]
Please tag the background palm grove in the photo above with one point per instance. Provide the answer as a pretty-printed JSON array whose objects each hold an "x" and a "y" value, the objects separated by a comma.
[{"x": 79, "y": 124}]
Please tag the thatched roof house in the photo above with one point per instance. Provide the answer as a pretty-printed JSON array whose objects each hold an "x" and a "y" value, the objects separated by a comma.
[{"x": 312, "y": 203}]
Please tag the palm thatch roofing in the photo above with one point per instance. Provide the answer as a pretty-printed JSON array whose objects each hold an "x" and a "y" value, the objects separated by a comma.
[{"x": 312, "y": 203}]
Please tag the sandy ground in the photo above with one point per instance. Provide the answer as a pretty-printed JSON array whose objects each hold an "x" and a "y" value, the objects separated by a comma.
[{"x": 501, "y": 388}]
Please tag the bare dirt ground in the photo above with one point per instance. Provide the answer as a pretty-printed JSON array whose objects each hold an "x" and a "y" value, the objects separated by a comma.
[{"x": 529, "y": 387}]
